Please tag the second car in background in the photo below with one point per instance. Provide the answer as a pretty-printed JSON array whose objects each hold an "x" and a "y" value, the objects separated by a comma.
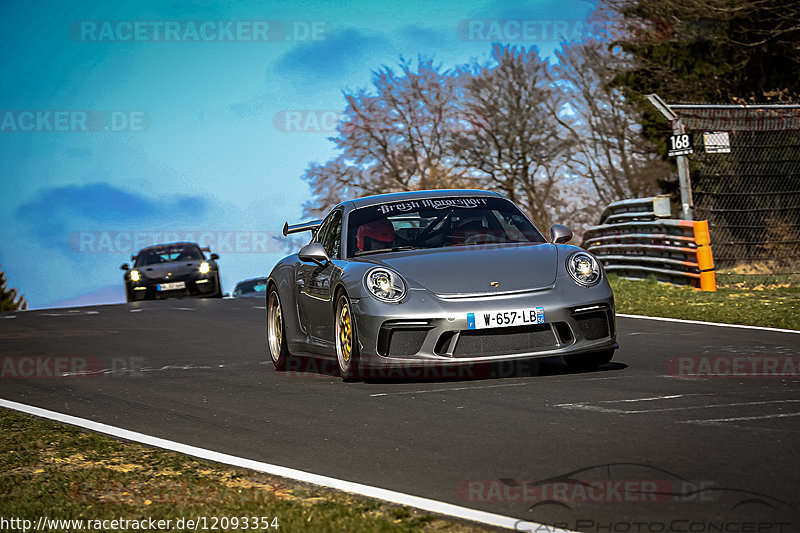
[
  {"x": 172, "y": 270},
  {"x": 251, "y": 288}
]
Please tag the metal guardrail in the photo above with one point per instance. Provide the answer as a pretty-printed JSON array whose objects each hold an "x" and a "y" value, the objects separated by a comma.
[{"x": 635, "y": 240}]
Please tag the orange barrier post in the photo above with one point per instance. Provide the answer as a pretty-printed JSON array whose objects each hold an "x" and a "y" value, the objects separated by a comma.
[{"x": 705, "y": 260}]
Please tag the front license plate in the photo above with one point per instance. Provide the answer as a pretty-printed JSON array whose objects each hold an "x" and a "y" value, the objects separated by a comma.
[
  {"x": 171, "y": 286},
  {"x": 502, "y": 319}
]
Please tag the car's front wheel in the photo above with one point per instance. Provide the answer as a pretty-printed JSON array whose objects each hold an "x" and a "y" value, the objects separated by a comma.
[
  {"x": 276, "y": 336},
  {"x": 589, "y": 361},
  {"x": 346, "y": 339}
]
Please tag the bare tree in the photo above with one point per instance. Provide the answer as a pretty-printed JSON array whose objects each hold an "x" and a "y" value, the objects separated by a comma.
[
  {"x": 553, "y": 139},
  {"x": 395, "y": 138},
  {"x": 332, "y": 183},
  {"x": 607, "y": 147},
  {"x": 401, "y": 133},
  {"x": 510, "y": 139}
]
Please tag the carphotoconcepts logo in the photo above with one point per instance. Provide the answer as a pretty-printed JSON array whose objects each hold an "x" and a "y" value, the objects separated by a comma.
[
  {"x": 306, "y": 120},
  {"x": 128, "y": 242},
  {"x": 73, "y": 120},
  {"x": 502, "y": 30},
  {"x": 678, "y": 525},
  {"x": 730, "y": 366},
  {"x": 199, "y": 31}
]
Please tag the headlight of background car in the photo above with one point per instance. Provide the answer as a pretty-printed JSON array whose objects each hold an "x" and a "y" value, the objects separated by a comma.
[
  {"x": 584, "y": 269},
  {"x": 204, "y": 268},
  {"x": 385, "y": 285},
  {"x": 134, "y": 275}
]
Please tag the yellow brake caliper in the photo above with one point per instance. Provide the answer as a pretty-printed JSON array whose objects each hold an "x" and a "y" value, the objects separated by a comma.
[
  {"x": 278, "y": 325},
  {"x": 344, "y": 333}
]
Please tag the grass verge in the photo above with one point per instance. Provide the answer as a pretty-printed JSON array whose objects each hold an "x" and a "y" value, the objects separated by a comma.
[
  {"x": 61, "y": 472},
  {"x": 776, "y": 306}
]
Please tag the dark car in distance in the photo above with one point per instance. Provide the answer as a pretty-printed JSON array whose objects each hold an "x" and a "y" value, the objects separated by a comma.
[
  {"x": 250, "y": 288},
  {"x": 177, "y": 269}
]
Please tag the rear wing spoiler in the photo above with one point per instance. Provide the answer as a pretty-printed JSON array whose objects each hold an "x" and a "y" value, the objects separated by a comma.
[{"x": 299, "y": 228}]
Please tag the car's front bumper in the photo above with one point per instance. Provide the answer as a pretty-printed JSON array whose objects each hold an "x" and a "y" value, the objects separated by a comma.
[
  {"x": 426, "y": 329},
  {"x": 194, "y": 285}
]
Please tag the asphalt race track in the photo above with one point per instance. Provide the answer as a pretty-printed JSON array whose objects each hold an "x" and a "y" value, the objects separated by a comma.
[{"x": 632, "y": 443}]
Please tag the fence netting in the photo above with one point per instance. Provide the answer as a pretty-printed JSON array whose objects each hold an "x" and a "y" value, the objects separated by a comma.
[{"x": 747, "y": 185}]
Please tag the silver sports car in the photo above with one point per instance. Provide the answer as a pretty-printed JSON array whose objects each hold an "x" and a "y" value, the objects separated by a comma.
[{"x": 445, "y": 277}]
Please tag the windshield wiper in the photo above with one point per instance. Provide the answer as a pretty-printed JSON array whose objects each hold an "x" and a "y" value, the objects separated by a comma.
[{"x": 384, "y": 250}]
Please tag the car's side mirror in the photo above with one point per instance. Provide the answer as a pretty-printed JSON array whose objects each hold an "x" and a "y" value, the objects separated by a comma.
[
  {"x": 125, "y": 267},
  {"x": 214, "y": 257},
  {"x": 313, "y": 253},
  {"x": 133, "y": 258},
  {"x": 560, "y": 234}
]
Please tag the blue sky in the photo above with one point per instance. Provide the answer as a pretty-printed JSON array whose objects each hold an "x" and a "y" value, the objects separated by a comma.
[{"x": 184, "y": 136}]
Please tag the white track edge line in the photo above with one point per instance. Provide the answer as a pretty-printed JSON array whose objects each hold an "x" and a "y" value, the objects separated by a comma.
[
  {"x": 702, "y": 323},
  {"x": 426, "y": 504}
]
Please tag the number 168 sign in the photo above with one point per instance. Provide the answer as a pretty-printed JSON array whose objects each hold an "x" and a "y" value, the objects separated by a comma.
[{"x": 680, "y": 144}]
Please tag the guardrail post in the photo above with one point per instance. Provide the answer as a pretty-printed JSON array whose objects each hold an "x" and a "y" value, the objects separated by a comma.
[
  {"x": 705, "y": 260},
  {"x": 685, "y": 182},
  {"x": 682, "y": 162}
]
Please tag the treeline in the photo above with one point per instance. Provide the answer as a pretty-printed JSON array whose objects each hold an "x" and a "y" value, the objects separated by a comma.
[
  {"x": 554, "y": 137},
  {"x": 562, "y": 138}
]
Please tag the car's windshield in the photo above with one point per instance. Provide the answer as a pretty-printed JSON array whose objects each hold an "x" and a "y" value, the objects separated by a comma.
[
  {"x": 254, "y": 285},
  {"x": 168, "y": 254},
  {"x": 438, "y": 222}
]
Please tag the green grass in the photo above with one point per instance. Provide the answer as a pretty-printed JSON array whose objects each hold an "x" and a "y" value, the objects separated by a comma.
[
  {"x": 48, "y": 469},
  {"x": 776, "y": 306}
]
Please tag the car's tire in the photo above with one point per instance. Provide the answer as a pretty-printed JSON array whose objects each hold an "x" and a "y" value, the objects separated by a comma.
[
  {"x": 346, "y": 339},
  {"x": 589, "y": 361},
  {"x": 276, "y": 331}
]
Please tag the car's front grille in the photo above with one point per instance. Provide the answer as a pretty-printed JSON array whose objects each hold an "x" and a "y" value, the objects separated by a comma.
[{"x": 504, "y": 341}]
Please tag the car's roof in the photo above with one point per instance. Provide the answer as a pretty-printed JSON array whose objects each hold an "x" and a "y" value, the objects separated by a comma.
[
  {"x": 419, "y": 195},
  {"x": 259, "y": 278},
  {"x": 165, "y": 245}
]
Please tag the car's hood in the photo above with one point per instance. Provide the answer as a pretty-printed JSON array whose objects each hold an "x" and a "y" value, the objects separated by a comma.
[
  {"x": 474, "y": 269},
  {"x": 172, "y": 270}
]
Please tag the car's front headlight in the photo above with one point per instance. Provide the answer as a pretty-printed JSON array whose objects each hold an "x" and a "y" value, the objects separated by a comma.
[
  {"x": 134, "y": 275},
  {"x": 385, "y": 285},
  {"x": 584, "y": 269},
  {"x": 204, "y": 267}
]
